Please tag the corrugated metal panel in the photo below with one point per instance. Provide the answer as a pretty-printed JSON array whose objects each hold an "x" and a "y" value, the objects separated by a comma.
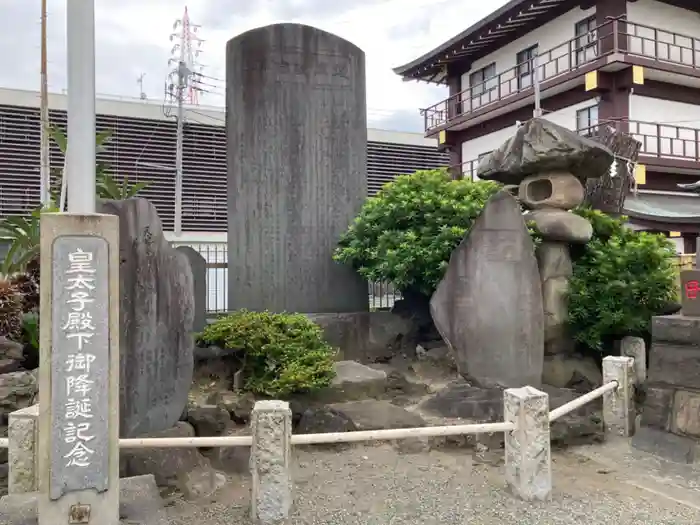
[{"x": 144, "y": 150}]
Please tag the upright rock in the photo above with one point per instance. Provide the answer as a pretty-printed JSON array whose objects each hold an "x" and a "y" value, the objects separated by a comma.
[
  {"x": 198, "y": 265},
  {"x": 156, "y": 316},
  {"x": 297, "y": 138},
  {"x": 488, "y": 307}
]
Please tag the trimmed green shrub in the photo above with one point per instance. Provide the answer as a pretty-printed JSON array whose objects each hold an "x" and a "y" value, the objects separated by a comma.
[
  {"x": 621, "y": 279},
  {"x": 406, "y": 233},
  {"x": 282, "y": 353}
]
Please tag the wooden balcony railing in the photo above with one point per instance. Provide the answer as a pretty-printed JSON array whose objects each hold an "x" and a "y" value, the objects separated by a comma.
[
  {"x": 662, "y": 141},
  {"x": 615, "y": 36}
]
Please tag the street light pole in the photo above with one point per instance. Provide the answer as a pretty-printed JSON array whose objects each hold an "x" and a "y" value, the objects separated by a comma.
[{"x": 81, "y": 152}]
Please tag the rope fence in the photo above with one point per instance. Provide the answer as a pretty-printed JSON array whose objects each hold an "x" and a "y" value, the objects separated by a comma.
[{"x": 526, "y": 426}]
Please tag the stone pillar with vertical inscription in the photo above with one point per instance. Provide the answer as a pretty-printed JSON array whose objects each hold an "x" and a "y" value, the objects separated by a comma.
[
  {"x": 296, "y": 126},
  {"x": 79, "y": 376}
]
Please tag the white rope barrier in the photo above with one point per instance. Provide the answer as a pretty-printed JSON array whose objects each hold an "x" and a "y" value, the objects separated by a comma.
[
  {"x": 580, "y": 401},
  {"x": 350, "y": 437}
]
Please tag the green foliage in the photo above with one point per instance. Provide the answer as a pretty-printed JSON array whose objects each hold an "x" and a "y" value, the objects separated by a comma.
[
  {"x": 406, "y": 233},
  {"x": 30, "y": 331},
  {"x": 282, "y": 353},
  {"x": 23, "y": 235},
  {"x": 106, "y": 186},
  {"x": 622, "y": 278}
]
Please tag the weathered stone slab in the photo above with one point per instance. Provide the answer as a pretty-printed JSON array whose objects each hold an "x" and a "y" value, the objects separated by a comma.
[
  {"x": 543, "y": 146},
  {"x": 292, "y": 195},
  {"x": 198, "y": 265},
  {"x": 354, "y": 381},
  {"x": 680, "y": 449},
  {"x": 674, "y": 364},
  {"x": 686, "y": 413},
  {"x": 554, "y": 260},
  {"x": 635, "y": 348},
  {"x": 156, "y": 320},
  {"x": 656, "y": 411},
  {"x": 678, "y": 329},
  {"x": 139, "y": 503},
  {"x": 488, "y": 307}
]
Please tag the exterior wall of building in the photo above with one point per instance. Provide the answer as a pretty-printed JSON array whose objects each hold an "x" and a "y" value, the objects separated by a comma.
[
  {"x": 142, "y": 148},
  {"x": 656, "y": 110},
  {"x": 566, "y": 117},
  {"x": 546, "y": 37},
  {"x": 663, "y": 16}
]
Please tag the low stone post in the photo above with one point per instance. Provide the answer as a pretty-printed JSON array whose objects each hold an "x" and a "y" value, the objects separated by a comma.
[
  {"x": 22, "y": 433},
  {"x": 618, "y": 404},
  {"x": 270, "y": 462},
  {"x": 528, "y": 452}
]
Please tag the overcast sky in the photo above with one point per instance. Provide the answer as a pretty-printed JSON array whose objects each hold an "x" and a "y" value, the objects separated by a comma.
[{"x": 133, "y": 38}]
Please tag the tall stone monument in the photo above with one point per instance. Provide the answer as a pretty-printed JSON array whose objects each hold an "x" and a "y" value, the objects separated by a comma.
[
  {"x": 155, "y": 322},
  {"x": 79, "y": 378},
  {"x": 488, "y": 307},
  {"x": 297, "y": 138}
]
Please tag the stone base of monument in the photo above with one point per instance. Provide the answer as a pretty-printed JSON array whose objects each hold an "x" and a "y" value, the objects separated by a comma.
[
  {"x": 464, "y": 401},
  {"x": 139, "y": 504},
  {"x": 670, "y": 423}
]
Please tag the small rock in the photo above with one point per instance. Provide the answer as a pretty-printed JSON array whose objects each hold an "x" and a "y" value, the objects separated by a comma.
[
  {"x": 200, "y": 483},
  {"x": 462, "y": 400},
  {"x": 577, "y": 372},
  {"x": 11, "y": 349},
  {"x": 17, "y": 390},
  {"x": 164, "y": 463},
  {"x": 9, "y": 365},
  {"x": 355, "y": 381},
  {"x": 239, "y": 406},
  {"x": 209, "y": 420},
  {"x": 561, "y": 226}
]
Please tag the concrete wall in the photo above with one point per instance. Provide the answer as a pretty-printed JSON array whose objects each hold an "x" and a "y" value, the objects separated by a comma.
[{"x": 297, "y": 136}]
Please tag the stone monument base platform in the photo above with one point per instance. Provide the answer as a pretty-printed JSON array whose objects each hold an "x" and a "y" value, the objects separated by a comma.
[
  {"x": 485, "y": 405},
  {"x": 670, "y": 423},
  {"x": 139, "y": 504}
]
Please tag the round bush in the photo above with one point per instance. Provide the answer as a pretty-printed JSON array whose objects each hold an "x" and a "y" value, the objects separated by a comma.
[
  {"x": 282, "y": 353},
  {"x": 621, "y": 279},
  {"x": 406, "y": 233}
]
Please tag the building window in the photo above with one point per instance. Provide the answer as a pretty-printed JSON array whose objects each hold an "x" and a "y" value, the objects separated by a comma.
[
  {"x": 586, "y": 42},
  {"x": 587, "y": 120},
  {"x": 479, "y": 80},
  {"x": 525, "y": 61}
]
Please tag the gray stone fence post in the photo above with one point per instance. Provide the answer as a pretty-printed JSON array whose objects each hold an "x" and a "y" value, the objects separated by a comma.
[
  {"x": 618, "y": 405},
  {"x": 270, "y": 462},
  {"x": 22, "y": 433},
  {"x": 528, "y": 450}
]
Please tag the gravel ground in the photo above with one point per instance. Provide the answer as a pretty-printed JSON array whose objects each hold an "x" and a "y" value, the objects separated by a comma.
[{"x": 369, "y": 485}]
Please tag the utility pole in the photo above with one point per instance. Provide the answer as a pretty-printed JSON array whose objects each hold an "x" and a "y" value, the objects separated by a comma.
[
  {"x": 182, "y": 90},
  {"x": 45, "y": 169},
  {"x": 537, "y": 113}
]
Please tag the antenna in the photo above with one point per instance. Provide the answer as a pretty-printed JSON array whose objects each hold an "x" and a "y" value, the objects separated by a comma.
[{"x": 139, "y": 81}]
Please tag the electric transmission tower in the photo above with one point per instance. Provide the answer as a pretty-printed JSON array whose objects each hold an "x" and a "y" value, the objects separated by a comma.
[{"x": 182, "y": 88}]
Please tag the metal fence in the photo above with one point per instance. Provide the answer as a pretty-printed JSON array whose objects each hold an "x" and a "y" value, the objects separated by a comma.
[{"x": 381, "y": 295}]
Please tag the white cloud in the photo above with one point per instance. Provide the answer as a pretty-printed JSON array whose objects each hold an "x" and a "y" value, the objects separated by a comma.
[{"x": 133, "y": 38}]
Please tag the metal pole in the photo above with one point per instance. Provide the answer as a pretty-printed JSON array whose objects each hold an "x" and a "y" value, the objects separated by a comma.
[
  {"x": 536, "y": 86},
  {"x": 181, "y": 81},
  {"x": 80, "y": 30},
  {"x": 45, "y": 170}
]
